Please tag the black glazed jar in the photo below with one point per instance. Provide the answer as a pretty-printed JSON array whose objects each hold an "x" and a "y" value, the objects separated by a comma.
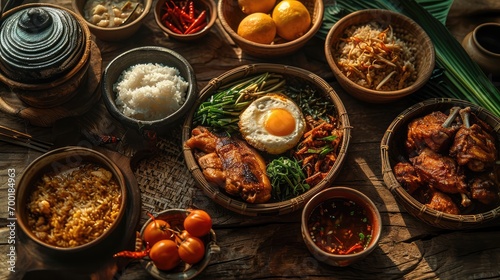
[{"x": 44, "y": 53}]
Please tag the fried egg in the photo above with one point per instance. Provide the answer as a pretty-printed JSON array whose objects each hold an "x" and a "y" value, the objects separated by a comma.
[{"x": 272, "y": 123}]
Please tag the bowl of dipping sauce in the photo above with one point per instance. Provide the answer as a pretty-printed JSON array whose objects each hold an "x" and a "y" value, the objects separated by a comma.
[{"x": 340, "y": 225}]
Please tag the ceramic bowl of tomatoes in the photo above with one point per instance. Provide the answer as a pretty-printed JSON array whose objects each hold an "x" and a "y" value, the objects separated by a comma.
[{"x": 179, "y": 242}]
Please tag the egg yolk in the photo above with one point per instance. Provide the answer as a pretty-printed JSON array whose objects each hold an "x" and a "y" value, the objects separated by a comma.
[{"x": 279, "y": 122}]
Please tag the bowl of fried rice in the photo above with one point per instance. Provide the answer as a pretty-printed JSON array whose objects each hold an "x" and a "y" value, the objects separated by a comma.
[
  {"x": 379, "y": 56},
  {"x": 70, "y": 199}
]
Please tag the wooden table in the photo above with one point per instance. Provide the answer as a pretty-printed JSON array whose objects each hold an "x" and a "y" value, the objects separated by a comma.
[{"x": 272, "y": 247}]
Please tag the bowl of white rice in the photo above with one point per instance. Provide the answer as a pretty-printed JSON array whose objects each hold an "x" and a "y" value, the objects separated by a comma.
[{"x": 149, "y": 88}]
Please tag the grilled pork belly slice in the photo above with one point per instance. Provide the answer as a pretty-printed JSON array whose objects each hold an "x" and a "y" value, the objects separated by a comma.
[{"x": 232, "y": 165}]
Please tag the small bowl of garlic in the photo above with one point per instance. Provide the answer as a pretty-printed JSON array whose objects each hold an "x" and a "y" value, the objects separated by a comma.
[{"x": 113, "y": 20}]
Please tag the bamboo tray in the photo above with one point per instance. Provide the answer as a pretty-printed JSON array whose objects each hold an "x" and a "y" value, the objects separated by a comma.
[
  {"x": 271, "y": 208},
  {"x": 393, "y": 151}
]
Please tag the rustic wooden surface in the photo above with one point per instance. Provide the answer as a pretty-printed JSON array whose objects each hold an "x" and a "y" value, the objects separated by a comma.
[{"x": 272, "y": 247}]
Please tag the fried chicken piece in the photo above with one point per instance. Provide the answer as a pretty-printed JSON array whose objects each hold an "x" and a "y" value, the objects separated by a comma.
[
  {"x": 473, "y": 146},
  {"x": 407, "y": 176},
  {"x": 484, "y": 188},
  {"x": 245, "y": 170},
  {"x": 442, "y": 202},
  {"x": 434, "y": 131},
  {"x": 442, "y": 173},
  {"x": 202, "y": 139}
]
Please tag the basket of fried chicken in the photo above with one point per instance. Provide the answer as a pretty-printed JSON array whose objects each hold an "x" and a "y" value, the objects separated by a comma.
[
  {"x": 440, "y": 159},
  {"x": 264, "y": 138}
]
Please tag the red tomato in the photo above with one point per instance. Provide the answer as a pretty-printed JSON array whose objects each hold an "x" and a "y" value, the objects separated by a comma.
[
  {"x": 198, "y": 223},
  {"x": 191, "y": 250},
  {"x": 164, "y": 254},
  {"x": 157, "y": 230}
]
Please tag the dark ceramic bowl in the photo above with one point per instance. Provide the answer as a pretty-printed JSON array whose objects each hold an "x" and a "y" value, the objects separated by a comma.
[
  {"x": 148, "y": 54},
  {"x": 358, "y": 198},
  {"x": 56, "y": 161},
  {"x": 114, "y": 34},
  {"x": 175, "y": 217}
]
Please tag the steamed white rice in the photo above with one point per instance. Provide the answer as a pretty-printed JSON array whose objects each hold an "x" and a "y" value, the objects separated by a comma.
[{"x": 150, "y": 91}]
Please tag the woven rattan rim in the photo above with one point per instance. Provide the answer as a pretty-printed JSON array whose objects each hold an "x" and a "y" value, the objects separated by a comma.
[
  {"x": 276, "y": 208},
  {"x": 414, "y": 207}
]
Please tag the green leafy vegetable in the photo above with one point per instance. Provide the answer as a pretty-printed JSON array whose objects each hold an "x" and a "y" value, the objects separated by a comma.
[
  {"x": 224, "y": 107},
  {"x": 455, "y": 75},
  {"x": 310, "y": 101},
  {"x": 286, "y": 178}
]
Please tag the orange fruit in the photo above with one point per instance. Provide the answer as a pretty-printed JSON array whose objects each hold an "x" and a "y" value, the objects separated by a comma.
[
  {"x": 292, "y": 19},
  {"x": 258, "y": 28},
  {"x": 256, "y": 6}
]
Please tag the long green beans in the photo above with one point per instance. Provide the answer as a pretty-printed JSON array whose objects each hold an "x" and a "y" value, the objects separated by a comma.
[{"x": 222, "y": 109}]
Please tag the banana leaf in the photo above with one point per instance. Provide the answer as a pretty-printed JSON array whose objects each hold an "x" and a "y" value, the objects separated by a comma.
[{"x": 455, "y": 74}]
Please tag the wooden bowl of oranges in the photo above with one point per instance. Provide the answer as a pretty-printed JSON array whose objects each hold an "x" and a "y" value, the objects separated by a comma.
[{"x": 270, "y": 28}]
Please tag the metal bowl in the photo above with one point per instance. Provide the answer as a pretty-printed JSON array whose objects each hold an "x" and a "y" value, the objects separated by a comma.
[
  {"x": 176, "y": 217},
  {"x": 147, "y": 54}
]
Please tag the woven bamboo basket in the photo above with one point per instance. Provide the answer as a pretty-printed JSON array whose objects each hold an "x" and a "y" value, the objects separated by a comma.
[
  {"x": 271, "y": 208},
  {"x": 401, "y": 24},
  {"x": 230, "y": 15},
  {"x": 393, "y": 151}
]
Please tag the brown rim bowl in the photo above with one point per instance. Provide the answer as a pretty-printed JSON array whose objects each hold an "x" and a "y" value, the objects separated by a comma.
[
  {"x": 230, "y": 16},
  {"x": 359, "y": 199},
  {"x": 59, "y": 91},
  {"x": 208, "y": 5},
  {"x": 393, "y": 151},
  {"x": 56, "y": 161},
  {"x": 401, "y": 24},
  {"x": 113, "y": 34}
]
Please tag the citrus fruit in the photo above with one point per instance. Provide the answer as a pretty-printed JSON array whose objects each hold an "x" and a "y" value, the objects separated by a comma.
[
  {"x": 258, "y": 28},
  {"x": 256, "y": 6},
  {"x": 292, "y": 19}
]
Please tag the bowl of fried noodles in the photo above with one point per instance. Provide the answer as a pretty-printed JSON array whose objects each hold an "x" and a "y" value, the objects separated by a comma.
[{"x": 379, "y": 56}]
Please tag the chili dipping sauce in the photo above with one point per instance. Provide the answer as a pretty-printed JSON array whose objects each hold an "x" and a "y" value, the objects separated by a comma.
[{"x": 340, "y": 226}]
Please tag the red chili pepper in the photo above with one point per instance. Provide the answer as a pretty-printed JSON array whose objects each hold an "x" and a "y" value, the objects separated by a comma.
[
  {"x": 197, "y": 22},
  {"x": 170, "y": 26},
  {"x": 133, "y": 254},
  {"x": 353, "y": 248},
  {"x": 197, "y": 29},
  {"x": 191, "y": 9}
]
